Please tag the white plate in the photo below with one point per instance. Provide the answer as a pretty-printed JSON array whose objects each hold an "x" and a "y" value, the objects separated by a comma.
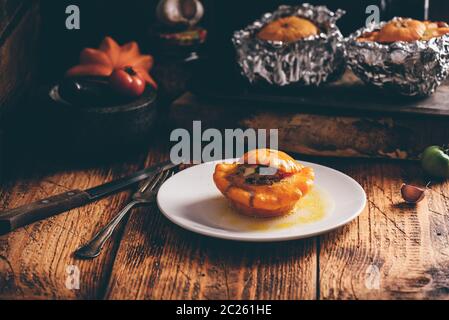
[{"x": 191, "y": 200}]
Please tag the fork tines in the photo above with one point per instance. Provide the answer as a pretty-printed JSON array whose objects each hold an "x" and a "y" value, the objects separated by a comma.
[{"x": 155, "y": 182}]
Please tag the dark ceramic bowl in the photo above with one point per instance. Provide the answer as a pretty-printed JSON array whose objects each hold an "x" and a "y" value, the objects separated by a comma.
[{"x": 98, "y": 128}]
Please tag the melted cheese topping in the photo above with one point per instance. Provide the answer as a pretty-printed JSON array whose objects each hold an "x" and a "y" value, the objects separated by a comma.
[{"x": 273, "y": 159}]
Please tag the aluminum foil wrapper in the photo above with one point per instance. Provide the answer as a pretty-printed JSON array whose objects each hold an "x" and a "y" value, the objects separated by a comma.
[
  {"x": 409, "y": 68},
  {"x": 310, "y": 61}
]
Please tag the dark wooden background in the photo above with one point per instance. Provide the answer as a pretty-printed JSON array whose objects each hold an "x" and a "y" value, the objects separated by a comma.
[
  {"x": 132, "y": 20},
  {"x": 127, "y": 20}
]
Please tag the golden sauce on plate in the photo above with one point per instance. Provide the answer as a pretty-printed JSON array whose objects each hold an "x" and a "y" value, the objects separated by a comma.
[{"x": 312, "y": 208}]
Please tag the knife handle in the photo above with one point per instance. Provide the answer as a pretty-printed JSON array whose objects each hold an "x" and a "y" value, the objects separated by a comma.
[{"x": 15, "y": 218}]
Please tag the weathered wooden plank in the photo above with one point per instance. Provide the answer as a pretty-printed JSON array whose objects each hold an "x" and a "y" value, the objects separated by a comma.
[
  {"x": 34, "y": 260},
  {"x": 393, "y": 250},
  {"x": 9, "y": 11},
  {"x": 1, "y": 154},
  {"x": 160, "y": 261},
  {"x": 18, "y": 58},
  {"x": 157, "y": 260}
]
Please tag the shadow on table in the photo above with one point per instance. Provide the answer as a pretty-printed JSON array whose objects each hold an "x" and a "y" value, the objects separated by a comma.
[{"x": 238, "y": 252}]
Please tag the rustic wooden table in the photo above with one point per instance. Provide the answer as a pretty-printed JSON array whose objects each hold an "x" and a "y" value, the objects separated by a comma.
[{"x": 392, "y": 251}]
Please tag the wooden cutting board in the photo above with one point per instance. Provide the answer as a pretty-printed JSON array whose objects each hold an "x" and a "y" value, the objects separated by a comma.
[
  {"x": 367, "y": 135},
  {"x": 347, "y": 96}
]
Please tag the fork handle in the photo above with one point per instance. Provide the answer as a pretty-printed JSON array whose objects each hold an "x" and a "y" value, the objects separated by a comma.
[{"x": 93, "y": 248}]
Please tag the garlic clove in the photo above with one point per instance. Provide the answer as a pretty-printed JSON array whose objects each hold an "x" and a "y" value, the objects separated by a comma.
[{"x": 412, "y": 194}]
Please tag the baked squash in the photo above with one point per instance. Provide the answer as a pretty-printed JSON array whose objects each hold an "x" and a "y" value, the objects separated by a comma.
[
  {"x": 264, "y": 183},
  {"x": 407, "y": 30},
  {"x": 288, "y": 29}
]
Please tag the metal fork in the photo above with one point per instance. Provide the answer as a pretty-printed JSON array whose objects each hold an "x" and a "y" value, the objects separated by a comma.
[{"x": 144, "y": 196}]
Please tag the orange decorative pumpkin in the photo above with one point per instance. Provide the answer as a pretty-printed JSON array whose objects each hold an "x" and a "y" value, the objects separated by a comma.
[
  {"x": 402, "y": 30},
  {"x": 109, "y": 57},
  {"x": 264, "y": 194},
  {"x": 288, "y": 29}
]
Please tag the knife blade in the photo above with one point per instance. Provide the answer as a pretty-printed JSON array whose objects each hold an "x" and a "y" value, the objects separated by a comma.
[{"x": 15, "y": 218}]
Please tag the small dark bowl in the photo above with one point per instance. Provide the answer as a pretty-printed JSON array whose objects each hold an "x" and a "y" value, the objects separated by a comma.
[{"x": 94, "y": 128}]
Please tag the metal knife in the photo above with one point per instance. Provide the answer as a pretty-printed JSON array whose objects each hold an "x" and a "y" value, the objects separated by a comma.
[{"x": 15, "y": 218}]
